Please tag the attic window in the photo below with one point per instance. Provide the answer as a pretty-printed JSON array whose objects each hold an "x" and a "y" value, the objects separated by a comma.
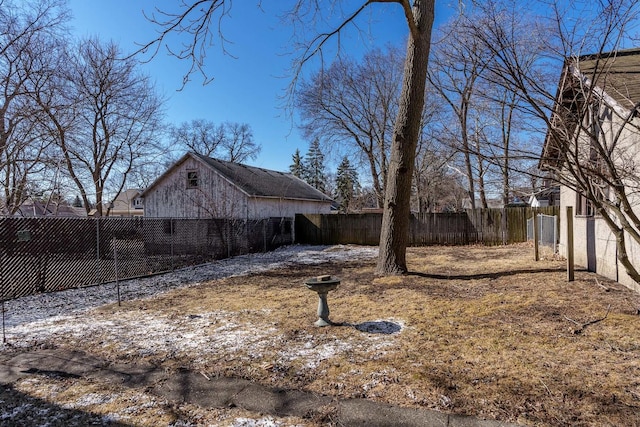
[{"x": 192, "y": 179}]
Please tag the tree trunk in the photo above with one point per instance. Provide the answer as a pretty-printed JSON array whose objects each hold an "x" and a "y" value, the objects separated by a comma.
[
  {"x": 394, "y": 236},
  {"x": 506, "y": 142},
  {"x": 481, "y": 188},
  {"x": 377, "y": 188},
  {"x": 617, "y": 224}
]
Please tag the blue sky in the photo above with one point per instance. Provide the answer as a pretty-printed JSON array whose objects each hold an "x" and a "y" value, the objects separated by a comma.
[{"x": 249, "y": 87}]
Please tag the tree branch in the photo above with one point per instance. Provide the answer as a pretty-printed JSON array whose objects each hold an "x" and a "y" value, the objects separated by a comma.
[{"x": 583, "y": 326}]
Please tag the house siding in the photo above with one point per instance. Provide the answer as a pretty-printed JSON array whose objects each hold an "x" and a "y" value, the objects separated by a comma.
[
  {"x": 271, "y": 207},
  {"x": 216, "y": 197},
  {"x": 124, "y": 205},
  {"x": 594, "y": 243}
]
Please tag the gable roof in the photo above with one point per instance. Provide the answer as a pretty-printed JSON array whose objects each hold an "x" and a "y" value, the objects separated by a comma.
[
  {"x": 37, "y": 209},
  {"x": 616, "y": 74},
  {"x": 254, "y": 181}
]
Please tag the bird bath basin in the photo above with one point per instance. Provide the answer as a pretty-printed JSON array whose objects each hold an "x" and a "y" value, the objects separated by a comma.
[{"x": 322, "y": 285}]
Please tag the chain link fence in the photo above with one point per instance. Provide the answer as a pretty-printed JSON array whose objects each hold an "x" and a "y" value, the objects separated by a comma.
[
  {"x": 547, "y": 230},
  {"x": 52, "y": 254}
]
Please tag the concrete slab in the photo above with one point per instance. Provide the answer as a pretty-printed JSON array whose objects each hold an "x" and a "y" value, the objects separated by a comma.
[
  {"x": 466, "y": 421},
  {"x": 196, "y": 388},
  {"x": 361, "y": 412},
  {"x": 280, "y": 402}
]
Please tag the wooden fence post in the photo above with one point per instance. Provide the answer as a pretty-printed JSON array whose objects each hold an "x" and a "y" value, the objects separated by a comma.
[
  {"x": 570, "y": 267},
  {"x": 503, "y": 225}
]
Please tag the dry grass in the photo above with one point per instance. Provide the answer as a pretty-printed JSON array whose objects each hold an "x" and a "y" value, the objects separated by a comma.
[
  {"x": 97, "y": 404},
  {"x": 485, "y": 331}
]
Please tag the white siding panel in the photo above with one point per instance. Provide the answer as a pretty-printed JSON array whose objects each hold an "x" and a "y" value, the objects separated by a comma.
[
  {"x": 268, "y": 207},
  {"x": 595, "y": 245}
]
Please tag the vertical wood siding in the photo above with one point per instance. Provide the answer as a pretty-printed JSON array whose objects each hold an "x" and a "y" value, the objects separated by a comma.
[{"x": 216, "y": 197}]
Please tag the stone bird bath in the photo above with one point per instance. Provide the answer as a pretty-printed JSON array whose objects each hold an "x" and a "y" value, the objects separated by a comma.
[{"x": 322, "y": 285}]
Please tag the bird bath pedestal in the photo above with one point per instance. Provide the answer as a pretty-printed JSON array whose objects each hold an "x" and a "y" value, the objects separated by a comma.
[{"x": 322, "y": 285}]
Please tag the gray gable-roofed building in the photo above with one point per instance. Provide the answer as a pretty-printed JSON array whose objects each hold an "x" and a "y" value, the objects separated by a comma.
[{"x": 197, "y": 186}]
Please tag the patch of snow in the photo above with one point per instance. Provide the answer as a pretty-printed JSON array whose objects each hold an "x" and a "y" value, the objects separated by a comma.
[
  {"x": 41, "y": 318},
  {"x": 90, "y": 399},
  {"x": 216, "y": 332},
  {"x": 32, "y": 308},
  {"x": 262, "y": 422}
]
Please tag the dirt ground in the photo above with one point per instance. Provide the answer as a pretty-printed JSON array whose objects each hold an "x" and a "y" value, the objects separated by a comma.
[{"x": 483, "y": 331}]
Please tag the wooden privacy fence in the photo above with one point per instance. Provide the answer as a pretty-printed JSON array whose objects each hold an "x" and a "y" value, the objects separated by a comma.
[{"x": 486, "y": 226}]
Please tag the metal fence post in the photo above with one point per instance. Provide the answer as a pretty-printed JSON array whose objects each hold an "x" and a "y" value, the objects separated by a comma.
[
  {"x": 4, "y": 333},
  {"x": 98, "y": 279},
  {"x": 171, "y": 231},
  {"x": 264, "y": 234},
  {"x": 115, "y": 267},
  {"x": 3, "y": 290},
  {"x": 555, "y": 234},
  {"x": 536, "y": 235}
]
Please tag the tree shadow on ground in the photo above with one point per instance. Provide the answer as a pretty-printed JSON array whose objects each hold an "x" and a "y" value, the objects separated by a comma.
[
  {"x": 19, "y": 409},
  {"x": 489, "y": 275}
]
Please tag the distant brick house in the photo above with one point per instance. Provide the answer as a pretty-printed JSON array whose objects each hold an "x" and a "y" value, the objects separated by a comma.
[{"x": 197, "y": 186}]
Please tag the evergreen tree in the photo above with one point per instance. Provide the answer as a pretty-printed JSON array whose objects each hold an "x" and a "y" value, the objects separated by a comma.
[
  {"x": 77, "y": 203},
  {"x": 314, "y": 166},
  {"x": 297, "y": 167},
  {"x": 346, "y": 184}
]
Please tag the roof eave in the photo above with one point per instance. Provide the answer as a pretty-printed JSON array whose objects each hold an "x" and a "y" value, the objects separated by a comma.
[{"x": 327, "y": 200}]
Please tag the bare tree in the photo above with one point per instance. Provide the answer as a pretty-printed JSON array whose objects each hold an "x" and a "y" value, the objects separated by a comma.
[
  {"x": 590, "y": 117},
  {"x": 198, "y": 135},
  {"x": 239, "y": 145},
  {"x": 458, "y": 62},
  {"x": 352, "y": 105},
  {"x": 502, "y": 136},
  {"x": 228, "y": 141},
  {"x": 105, "y": 117},
  {"x": 29, "y": 32},
  {"x": 196, "y": 18},
  {"x": 394, "y": 237},
  {"x": 437, "y": 187}
]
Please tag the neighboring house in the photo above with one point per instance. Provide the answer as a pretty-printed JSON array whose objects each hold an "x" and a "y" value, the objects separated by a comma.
[
  {"x": 202, "y": 187},
  {"x": 548, "y": 195},
  {"x": 126, "y": 204},
  {"x": 491, "y": 203},
  {"x": 37, "y": 209},
  {"x": 611, "y": 121}
]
